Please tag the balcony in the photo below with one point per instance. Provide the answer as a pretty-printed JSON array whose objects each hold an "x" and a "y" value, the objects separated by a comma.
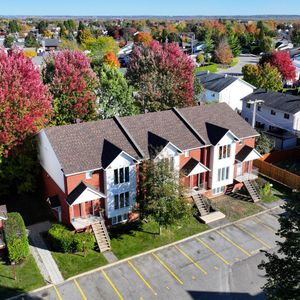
[
  {"x": 248, "y": 175},
  {"x": 201, "y": 189},
  {"x": 84, "y": 222}
]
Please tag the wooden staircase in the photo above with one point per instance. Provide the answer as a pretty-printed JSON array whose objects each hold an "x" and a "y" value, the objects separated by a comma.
[
  {"x": 101, "y": 235},
  {"x": 200, "y": 204},
  {"x": 253, "y": 190}
]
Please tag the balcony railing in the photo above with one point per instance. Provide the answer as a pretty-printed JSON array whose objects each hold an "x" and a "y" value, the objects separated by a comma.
[
  {"x": 252, "y": 175},
  {"x": 197, "y": 190}
]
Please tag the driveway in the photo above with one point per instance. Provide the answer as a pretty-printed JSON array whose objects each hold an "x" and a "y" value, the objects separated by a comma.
[
  {"x": 244, "y": 59},
  {"x": 219, "y": 264}
]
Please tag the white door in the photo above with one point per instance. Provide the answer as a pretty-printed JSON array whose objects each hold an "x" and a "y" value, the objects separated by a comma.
[{"x": 239, "y": 169}]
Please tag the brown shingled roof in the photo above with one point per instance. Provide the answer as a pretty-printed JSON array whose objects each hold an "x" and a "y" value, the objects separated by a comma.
[{"x": 92, "y": 145}]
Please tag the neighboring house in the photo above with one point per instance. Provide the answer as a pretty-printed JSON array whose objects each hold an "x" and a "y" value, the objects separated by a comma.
[
  {"x": 224, "y": 88},
  {"x": 3, "y": 218},
  {"x": 278, "y": 115},
  {"x": 93, "y": 167},
  {"x": 50, "y": 44}
]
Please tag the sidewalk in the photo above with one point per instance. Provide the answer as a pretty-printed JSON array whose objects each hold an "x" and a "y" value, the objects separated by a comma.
[{"x": 42, "y": 255}]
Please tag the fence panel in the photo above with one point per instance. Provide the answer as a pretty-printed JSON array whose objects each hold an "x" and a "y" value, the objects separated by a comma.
[{"x": 278, "y": 174}]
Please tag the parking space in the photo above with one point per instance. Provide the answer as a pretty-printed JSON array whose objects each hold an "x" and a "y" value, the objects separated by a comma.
[{"x": 220, "y": 261}]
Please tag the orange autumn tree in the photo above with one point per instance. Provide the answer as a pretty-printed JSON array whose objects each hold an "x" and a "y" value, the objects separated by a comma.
[
  {"x": 111, "y": 59},
  {"x": 143, "y": 38}
]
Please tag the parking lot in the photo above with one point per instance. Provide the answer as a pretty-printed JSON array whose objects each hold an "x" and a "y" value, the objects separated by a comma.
[{"x": 219, "y": 264}]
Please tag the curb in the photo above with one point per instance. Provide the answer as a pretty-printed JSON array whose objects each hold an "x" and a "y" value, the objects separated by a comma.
[{"x": 147, "y": 252}]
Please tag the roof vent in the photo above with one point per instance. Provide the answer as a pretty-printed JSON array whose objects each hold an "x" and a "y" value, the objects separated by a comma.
[{"x": 225, "y": 75}]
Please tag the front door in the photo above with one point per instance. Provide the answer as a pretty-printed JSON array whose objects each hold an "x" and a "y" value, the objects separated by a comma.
[{"x": 239, "y": 169}]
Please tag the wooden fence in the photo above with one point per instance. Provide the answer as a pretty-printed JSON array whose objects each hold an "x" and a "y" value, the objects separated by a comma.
[{"x": 283, "y": 176}]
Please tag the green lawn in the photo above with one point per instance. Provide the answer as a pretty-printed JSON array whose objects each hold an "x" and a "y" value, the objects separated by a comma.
[
  {"x": 73, "y": 264},
  {"x": 213, "y": 68},
  {"x": 134, "y": 238},
  {"x": 28, "y": 278},
  {"x": 235, "y": 209},
  {"x": 278, "y": 191}
]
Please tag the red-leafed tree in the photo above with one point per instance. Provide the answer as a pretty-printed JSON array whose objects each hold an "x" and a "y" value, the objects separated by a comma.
[
  {"x": 73, "y": 84},
  {"x": 25, "y": 101},
  {"x": 282, "y": 61},
  {"x": 163, "y": 76}
]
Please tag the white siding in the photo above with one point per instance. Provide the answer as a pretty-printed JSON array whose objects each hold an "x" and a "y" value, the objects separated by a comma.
[
  {"x": 233, "y": 94},
  {"x": 216, "y": 163},
  {"x": 112, "y": 189},
  {"x": 170, "y": 151},
  {"x": 49, "y": 161},
  {"x": 264, "y": 117}
]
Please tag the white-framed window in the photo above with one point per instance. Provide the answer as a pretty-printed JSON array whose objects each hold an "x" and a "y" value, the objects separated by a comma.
[
  {"x": 248, "y": 105},
  {"x": 223, "y": 174},
  {"x": 186, "y": 153},
  {"x": 119, "y": 219},
  {"x": 224, "y": 151},
  {"x": 89, "y": 175},
  {"x": 121, "y": 175},
  {"x": 121, "y": 200},
  {"x": 219, "y": 190}
]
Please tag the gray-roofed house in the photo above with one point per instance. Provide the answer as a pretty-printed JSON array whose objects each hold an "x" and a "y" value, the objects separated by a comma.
[
  {"x": 224, "y": 88},
  {"x": 278, "y": 115},
  {"x": 92, "y": 168}
]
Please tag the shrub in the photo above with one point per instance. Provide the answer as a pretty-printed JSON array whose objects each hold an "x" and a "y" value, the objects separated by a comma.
[
  {"x": 61, "y": 238},
  {"x": 266, "y": 190},
  {"x": 16, "y": 238},
  {"x": 200, "y": 59},
  {"x": 64, "y": 240},
  {"x": 83, "y": 242}
]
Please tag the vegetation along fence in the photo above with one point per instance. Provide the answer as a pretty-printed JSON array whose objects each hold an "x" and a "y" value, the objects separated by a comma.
[{"x": 283, "y": 176}]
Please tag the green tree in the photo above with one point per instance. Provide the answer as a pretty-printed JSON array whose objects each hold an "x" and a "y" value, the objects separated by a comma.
[
  {"x": 161, "y": 194},
  {"x": 115, "y": 96},
  {"x": 42, "y": 26},
  {"x": 264, "y": 144},
  {"x": 266, "y": 44},
  {"x": 13, "y": 26},
  {"x": 8, "y": 41},
  {"x": 30, "y": 41},
  {"x": 209, "y": 43},
  {"x": 283, "y": 269},
  {"x": 235, "y": 45},
  {"x": 101, "y": 46},
  {"x": 263, "y": 76},
  {"x": 296, "y": 37}
]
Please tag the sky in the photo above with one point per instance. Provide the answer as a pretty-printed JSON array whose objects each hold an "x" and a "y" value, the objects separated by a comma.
[{"x": 151, "y": 7}]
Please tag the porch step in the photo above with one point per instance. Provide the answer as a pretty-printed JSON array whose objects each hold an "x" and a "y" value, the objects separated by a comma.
[
  {"x": 101, "y": 235},
  {"x": 212, "y": 217},
  {"x": 253, "y": 190},
  {"x": 200, "y": 204}
]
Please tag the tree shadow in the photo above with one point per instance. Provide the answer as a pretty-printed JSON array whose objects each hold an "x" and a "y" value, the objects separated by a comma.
[
  {"x": 116, "y": 232},
  {"x": 207, "y": 295}
]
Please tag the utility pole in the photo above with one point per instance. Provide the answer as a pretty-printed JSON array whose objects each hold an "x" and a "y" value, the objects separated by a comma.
[{"x": 254, "y": 102}]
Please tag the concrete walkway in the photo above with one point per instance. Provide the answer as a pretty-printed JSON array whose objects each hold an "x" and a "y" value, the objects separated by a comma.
[
  {"x": 42, "y": 255},
  {"x": 110, "y": 257}
]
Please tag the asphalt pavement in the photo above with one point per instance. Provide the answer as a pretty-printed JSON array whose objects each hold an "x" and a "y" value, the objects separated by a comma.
[{"x": 219, "y": 264}]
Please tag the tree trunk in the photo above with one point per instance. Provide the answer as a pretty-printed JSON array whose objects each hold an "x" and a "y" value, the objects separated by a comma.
[{"x": 160, "y": 230}]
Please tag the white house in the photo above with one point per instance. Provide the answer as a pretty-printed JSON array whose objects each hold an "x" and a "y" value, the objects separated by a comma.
[
  {"x": 278, "y": 114},
  {"x": 224, "y": 88}
]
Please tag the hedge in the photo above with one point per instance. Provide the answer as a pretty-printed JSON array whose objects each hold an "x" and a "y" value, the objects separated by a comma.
[
  {"x": 16, "y": 237},
  {"x": 63, "y": 240}
]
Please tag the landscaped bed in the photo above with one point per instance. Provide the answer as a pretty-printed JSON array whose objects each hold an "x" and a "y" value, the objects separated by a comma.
[
  {"x": 71, "y": 264},
  {"x": 134, "y": 238},
  {"x": 235, "y": 209},
  {"x": 28, "y": 278},
  {"x": 292, "y": 165}
]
